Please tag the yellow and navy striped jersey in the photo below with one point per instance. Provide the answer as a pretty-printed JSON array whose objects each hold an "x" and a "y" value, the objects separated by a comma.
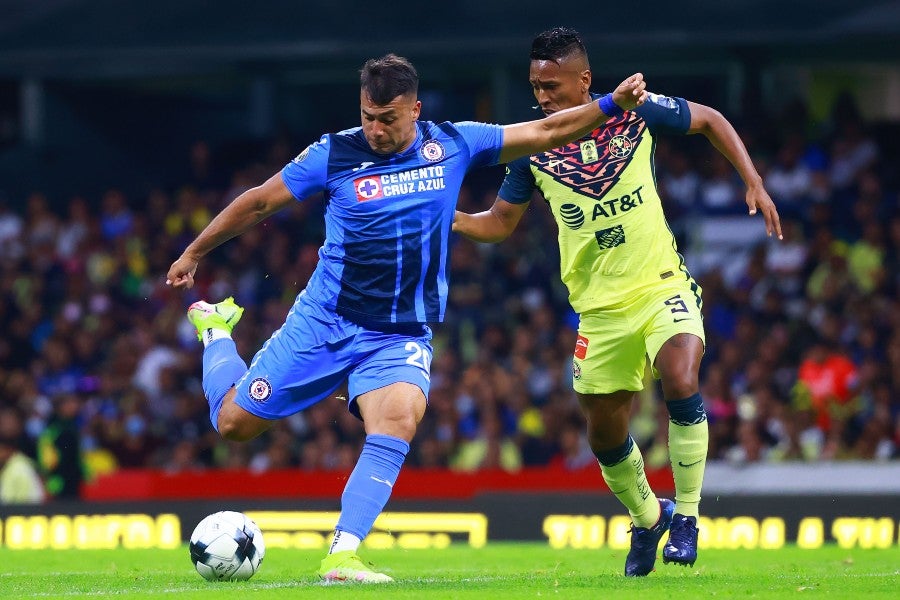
[{"x": 613, "y": 236}]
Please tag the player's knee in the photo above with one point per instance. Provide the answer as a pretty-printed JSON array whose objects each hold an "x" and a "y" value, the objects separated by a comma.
[
  {"x": 601, "y": 440},
  {"x": 681, "y": 385},
  {"x": 678, "y": 382},
  {"x": 399, "y": 426},
  {"x": 228, "y": 429},
  {"x": 405, "y": 427},
  {"x": 233, "y": 430}
]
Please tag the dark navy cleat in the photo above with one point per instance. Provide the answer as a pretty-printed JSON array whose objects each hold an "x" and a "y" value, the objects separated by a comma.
[
  {"x": 645, "y": 542},
  {"x": 681, "y": 548}
]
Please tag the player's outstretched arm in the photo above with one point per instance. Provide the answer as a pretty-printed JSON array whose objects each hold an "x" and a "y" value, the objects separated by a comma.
[
  {"x": 492, "y": 225},
  {"x": 531, "y": 137},
  {"x": 241, "y": 214},
  {"x": 721, "y": 134}
]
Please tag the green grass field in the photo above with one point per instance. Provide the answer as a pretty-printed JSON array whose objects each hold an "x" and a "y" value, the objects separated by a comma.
[{"x": 499, "y": 570}]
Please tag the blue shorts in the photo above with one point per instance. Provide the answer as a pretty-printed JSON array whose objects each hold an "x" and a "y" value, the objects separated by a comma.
[{"x": 316, "y": 350}]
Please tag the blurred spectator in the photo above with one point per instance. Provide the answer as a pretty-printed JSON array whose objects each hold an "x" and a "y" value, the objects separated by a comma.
[
  {"x": 789, "y": 180},
  {"x": 826, "y": 381},
  {"x": 19, "y": 480},
  {"x": 719, "y": 190},
  {"x": 116, "y": 219},
  {"x": 680, "y": 184},
  {"x": 11, "y": 227},
  {"x": 59, "y": 449},
  {"x": 575, "y": 451},
  {"x": 488, "y": 447},
  {"x": 183, "y": 458},
  {"x": 75, "y": 231},
  {"x": 277, "y": 456},
  {"x": 786, "y": 259},
  {"x": 865, "y": 258},
  {"x": 852, "y": 152}
]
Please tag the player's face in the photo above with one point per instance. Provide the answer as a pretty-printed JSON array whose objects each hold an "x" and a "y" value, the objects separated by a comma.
[
  {"x": 561, "y": 85},
  {"x": 390, "y": 128}
]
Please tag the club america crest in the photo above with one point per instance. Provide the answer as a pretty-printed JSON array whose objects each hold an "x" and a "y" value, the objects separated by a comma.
[
  {"x": 620, "y": 146},
  {"x": 432, "y": 151}
]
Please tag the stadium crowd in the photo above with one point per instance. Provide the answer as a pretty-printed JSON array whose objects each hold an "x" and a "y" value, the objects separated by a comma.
[{"x": 803, "y": 335}]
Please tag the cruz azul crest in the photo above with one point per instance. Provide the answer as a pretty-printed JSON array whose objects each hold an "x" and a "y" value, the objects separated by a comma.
[{"x": 577, "y": 164}]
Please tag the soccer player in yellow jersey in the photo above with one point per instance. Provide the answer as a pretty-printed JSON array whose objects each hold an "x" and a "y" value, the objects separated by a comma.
[{"x": 626, "y": 280}]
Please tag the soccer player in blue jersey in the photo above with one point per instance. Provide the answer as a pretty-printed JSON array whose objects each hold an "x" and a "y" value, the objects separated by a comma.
[
  {"x": 391, "y": 187},
  {"x": 626, "y": 280}
]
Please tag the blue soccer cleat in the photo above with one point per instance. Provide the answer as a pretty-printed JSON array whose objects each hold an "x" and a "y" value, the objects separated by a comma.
[
  {"x": 681, "y": 548},
  {"x": 645, "y": 542}
]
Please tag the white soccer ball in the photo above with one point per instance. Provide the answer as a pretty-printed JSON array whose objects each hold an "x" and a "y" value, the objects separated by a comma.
[{"x": 227, "y": 546}]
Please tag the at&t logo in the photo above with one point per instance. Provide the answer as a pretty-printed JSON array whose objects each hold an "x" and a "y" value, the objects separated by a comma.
[{"x": 571, "y": 215}]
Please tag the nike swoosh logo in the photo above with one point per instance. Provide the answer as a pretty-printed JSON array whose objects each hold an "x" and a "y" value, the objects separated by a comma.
[
  {"x": 384, "y": 481},
  {"x": 363, "y": 166},
  {"x": 681, "y": 464},
  {"x": 680, "y": 320}
]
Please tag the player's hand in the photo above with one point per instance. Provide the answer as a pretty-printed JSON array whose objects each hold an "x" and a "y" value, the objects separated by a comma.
[
  {"x": 758, "y": 199},
  {"x": 631, "y": 93},
  {"x": 181, "y": 273}
]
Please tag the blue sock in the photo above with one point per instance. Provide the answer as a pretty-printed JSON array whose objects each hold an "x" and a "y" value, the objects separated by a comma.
[
  {"x": 222, "y": 366},
  {"x": 371, "y": 483}
]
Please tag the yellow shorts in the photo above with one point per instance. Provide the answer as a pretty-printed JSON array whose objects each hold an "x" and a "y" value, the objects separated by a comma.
[{"x": 614, "y": 344}]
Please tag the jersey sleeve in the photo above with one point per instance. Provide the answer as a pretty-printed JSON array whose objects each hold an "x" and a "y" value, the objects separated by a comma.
[
  {"x": 484, "y": 141},
  {"x": 518, "y": 185},
  {"x": 665, "y": 114},
  {"x": 307, "y": 174}
]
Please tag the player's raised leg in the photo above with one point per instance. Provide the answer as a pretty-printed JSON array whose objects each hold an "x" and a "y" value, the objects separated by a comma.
[
  {"x": 391, "y": 415},
  {"x": 222, "y": 367},
  {"x": 678, "y": 363}
]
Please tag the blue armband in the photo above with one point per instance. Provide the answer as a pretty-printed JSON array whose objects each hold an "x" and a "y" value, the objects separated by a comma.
[{"x": 609, "y": 108}]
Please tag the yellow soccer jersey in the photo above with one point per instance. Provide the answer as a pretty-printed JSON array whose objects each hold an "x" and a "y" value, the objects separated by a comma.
[{"x": 613, "y": 235}]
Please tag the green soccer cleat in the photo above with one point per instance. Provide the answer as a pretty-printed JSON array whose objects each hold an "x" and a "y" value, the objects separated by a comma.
[
  {"x": 346, "y": 567},
  {"x": 223, "y": 315}
]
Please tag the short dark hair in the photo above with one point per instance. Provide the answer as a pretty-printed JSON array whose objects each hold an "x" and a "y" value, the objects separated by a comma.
[
  {"x": 556, "y": 44},
  {"x": 385, "y": 78}
]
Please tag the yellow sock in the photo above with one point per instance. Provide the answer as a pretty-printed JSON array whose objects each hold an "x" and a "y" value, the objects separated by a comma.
[
  {"x": 627, "y": 480},
  {"x": 688, "y": 445}
]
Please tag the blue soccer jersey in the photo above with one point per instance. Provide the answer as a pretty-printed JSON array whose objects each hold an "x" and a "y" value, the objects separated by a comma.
[{"x": 384, "y": 259}]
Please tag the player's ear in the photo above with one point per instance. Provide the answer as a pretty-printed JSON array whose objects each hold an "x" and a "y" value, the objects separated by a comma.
[
  {"x": 417, "y": 109},
  {"x": 585, "y": 80}
]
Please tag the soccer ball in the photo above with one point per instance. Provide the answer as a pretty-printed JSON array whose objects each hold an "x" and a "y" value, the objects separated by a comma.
[{"x": 227, "y": 546}]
